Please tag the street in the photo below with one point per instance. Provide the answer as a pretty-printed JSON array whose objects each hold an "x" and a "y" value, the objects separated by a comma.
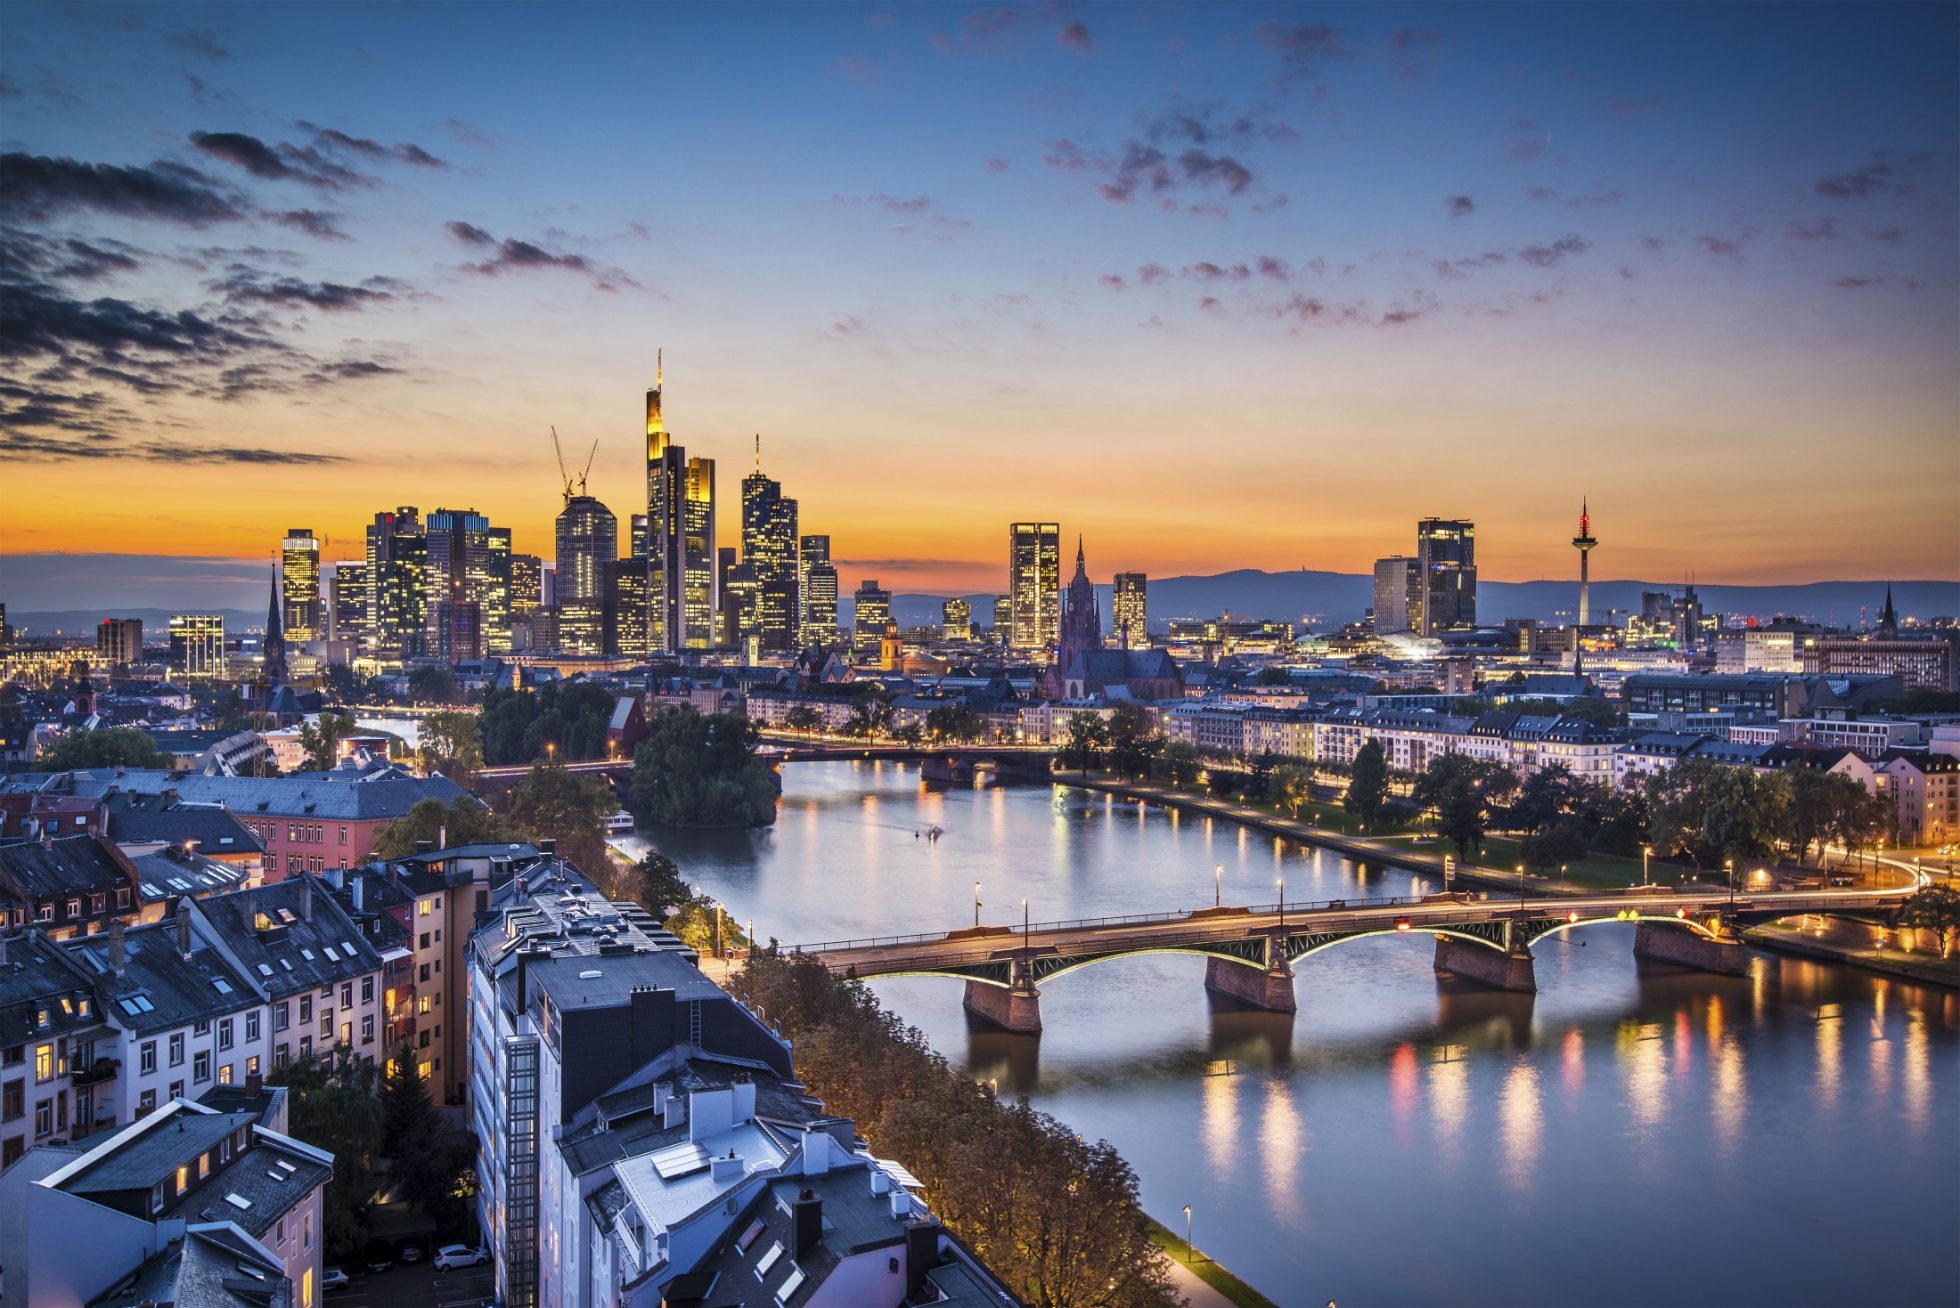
[{"x": 417, "y": 1285}]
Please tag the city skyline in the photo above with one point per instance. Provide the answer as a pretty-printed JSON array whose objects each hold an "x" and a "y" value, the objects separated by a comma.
[{"x": 1611, "y": 276}]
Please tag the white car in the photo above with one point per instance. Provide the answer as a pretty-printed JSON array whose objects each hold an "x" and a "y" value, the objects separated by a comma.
[
  {"x": 333, "y": 1279},
  {"x": 460, "y": 1255}
]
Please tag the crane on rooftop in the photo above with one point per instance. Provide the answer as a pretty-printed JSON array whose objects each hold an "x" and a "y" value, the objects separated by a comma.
[{"x": 572, "y": 486}]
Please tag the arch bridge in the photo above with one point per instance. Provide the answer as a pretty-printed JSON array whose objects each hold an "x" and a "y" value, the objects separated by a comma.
[{"x": 1250, "y": 951}]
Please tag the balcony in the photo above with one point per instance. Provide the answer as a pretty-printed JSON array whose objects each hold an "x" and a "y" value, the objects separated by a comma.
[{"x": 96, "y": 1073}]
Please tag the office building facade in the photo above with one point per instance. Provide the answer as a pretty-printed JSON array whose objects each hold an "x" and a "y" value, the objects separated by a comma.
[
  {"x": 1446, "y": 558},
  {"x": 1034, "y": 577},
  {"x": 956, "y": 620},
  {"x": 871, "y": 613},
  {"x": 1395, "y": 594},
  {"x": 119, "y": 641},
  {"x": 588, "y": 541},
  {"x": 299, "y": 585},
  {"x": 1130, "y": 610},
  {"x": 197, "y": 646},
  {"x": 769, "y": 543}
]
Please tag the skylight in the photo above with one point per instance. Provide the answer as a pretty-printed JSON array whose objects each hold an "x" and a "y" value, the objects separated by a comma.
[
  {"x": 223, "y": 986},
  {"x": 790, "y": 1285},
  {"x": 306, "y": 954},
  {"x": 239, "y": 1202},
  {"x": 769, "y": 1259},
  {"x": 265, "y": 969},
  {"x": 331, "y": 956},
  {"x": 679, "y": 1160}
]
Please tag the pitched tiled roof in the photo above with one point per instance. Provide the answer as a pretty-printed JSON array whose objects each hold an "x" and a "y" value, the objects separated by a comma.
[
  {"x": 72, "y": 864},
  {"x": 292, "y": 936}
]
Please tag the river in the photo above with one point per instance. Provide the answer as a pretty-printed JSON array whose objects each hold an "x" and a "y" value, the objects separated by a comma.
[{"x": 1631, "y": 1135}]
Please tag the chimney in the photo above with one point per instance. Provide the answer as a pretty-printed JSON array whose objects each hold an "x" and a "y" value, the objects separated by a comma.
[
  {"x": 921, "y": 1254},
  {"x": 806, "y": 1222},
  {"x": 424, "y": 846},
  {"x": 118, "y": 947},
  {"x": 442, "y": 835},
  {"x": 254, "y": 1084},
  {"x": 360, "y": 893},
  {"x": 305, "y": 898},
  {"x": 549, "y": 848},
  {"x": 184, "y": 926},
  {"x": 3, "y": 951},
  {"x": 816, "y": 1151}
]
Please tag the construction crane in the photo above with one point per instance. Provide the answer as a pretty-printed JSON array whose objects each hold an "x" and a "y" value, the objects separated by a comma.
[{"x": 572, "y": 486}]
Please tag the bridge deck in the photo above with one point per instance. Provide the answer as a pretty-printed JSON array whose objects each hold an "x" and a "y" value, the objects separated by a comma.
[{"x": 879, "y": 956}]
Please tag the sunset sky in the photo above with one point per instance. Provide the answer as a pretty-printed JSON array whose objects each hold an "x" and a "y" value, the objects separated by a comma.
[{"x": 1218, "y": 286}]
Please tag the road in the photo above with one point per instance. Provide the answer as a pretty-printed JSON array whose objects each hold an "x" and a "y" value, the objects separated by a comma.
[{"x": 416, "y": 1285}]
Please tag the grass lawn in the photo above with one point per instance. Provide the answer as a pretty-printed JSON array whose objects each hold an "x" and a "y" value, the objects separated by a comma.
[{"x": 1205, "y": 1269}]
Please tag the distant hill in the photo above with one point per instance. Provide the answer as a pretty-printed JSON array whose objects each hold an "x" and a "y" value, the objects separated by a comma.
[{"x": 156, "y": 622}]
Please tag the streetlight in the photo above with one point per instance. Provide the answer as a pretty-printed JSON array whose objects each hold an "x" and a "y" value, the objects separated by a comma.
[
  {"x": 1520, "y": 885},
  {"x": 1646, "y": 852},
  {"x": 1728, "y": 868},
  {"x": 976, "y": 903},
  {"x": 1217, "y": 885},
  {"x": 1024, "y": 924},
  {"x": 1282, "y": 903},
  {"x": 1188, "y": 1250}
]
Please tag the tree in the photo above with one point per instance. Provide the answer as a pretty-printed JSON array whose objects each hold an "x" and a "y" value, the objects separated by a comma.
[
  {"x": 452, "y": 743},
  {"x": 1132, "y": 739},
  {"x": 106, "y": 747},
  {"x": 1291, "y": 784},
  {"x": 1935, "y": 909},
  {"x": 433, "y": 684},
  {"x": 1713, "y": 813},
  {"x": 700, "y": 770},
  {"x": 1083, "y": 748},
  {"x": 955, "y": 722},
  {"x": 1814, "y": 800},
  {"x": 462, "y": 821},
  {"x": 332, "y": 1105},
  {"x": 423, "y": 1163},
  {"x": 1367, "y": 788},
  {"x": 1273, "y": 676},
  {"x": 1178, "y": 762},
  {"x": 1565, "y": 840},
  {"x": 805, "y": 718},
  {"x": 565, "y": 720},
  {"x": 321, "y": 738},
  {"x": 554, "y": 804},
  {"x": 1547, "y": 795}
]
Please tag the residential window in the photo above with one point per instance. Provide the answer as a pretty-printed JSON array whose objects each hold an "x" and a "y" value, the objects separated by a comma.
[
  {"x": 224, "y": 1033},
  {"x": 367, "y": 989},
  {"x": 224, "y": 1074},
  {"x": 281, "y": 1056},
  {"x": 43, "y": 1119},
  {"x": 177, "y": 1049},
  {"x": 74, "y": 908},
  {"x": 425, "y": 974},
  {"x": 45, "y": 912},
  {"x": 423, "y": 943},
  {"x": 15, "y": 1055},
  {"x": 203, "y": 1165},
  {"x": 421, "y": 1003},
  {"x": 122, "y": 897},
  {"x": 176, "y": 1089},
  {"x": 13, "y": 1101},
  {"x": 44, "y": 1062},
  {"x": 146, "y": 1056},
  {"x": 347, "y": 994},
  {"x": 97, "y": 902},
  {"x": 306, "y": 1008},
  {"x": 367, "y": 1029},
  {"x": 251, "y": 1026},
  {"x": 146, "y": 1103},
  {"x": 201, "y": 1066},
  {"x": 423, "y": 907},
  {"x": 202, "y": 1028},
  {"x": 252, "y": 1065},
  {"x": 183, "y": 1178},
  {"x": 343, "y": 835},
  {"x": 326, "y": 1022},
  {"x": 281, "y": 1016},
  {"x": 347, "y": 1033}
]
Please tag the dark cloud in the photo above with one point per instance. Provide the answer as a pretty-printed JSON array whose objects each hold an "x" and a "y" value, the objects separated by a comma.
[
  {"x": 1302, "y": 49},
  {"x": 293, "y": 293},
  {"x": 1152, "y": 273},
  {"x": 1721, "y": 247},
  {"x": 1076, "y": 36},
  {"x": 1400, "y": 317},
  {"x": 285, "y": 163},
  {"x": 314, "y": 222},
  {"x": 1113, "y": 282},
  {"x": 1877, "y": 177},
  {"x": 849, "y": 325},
  {"x": 38, "y": 320},
  {"x": 995, "y": 164},
  {"x": 1823, "y": 230},
  {"x": 407, "y": 152},
  {"x": 8, "y": 90},
  {"x": 1206, "y": 271},
  {"x": 514, "y": 255},
  {"x": 1274, "y": 267},
  {"x": 30, "y": 256},
  {"x": 464, "y": 132},
  {"x": 410, "y": 153},
  {"x": 1856, "y": 283},
  {"x": 1461, "y": 206},
  {"x": 1540, "y": 254},
  {"x": 38, "y": 187},
  {"x": 199, "y": 43},
  {"x": 1207, "y": 124},
  {"x": 1410, "y": 48},
  {"x": 1149, "y": 170},
  {"x": 30, "y": 447}
]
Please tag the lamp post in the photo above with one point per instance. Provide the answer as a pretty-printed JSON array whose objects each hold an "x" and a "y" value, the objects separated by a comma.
[
  {"x": 1728, "y": 868},
  {"x": 1646, "y": 852},
  {"x": 1217, "y": 884},
  {"x": 1189, "y": 1252},
  {"x": 1282, "y": 903},
  {"x": 1520, "y": 885},
  {"x": 976, "y": 903},
  {"x": 1024, "y": 924}
]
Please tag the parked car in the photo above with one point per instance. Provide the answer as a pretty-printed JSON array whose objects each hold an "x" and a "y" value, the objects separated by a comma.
[
  {"x": 333, "y": 1278},
  {"x": 412, "y": 1251},
  {"x": 380, "y": 1256},
  {"x": 460, "y": 1255}
]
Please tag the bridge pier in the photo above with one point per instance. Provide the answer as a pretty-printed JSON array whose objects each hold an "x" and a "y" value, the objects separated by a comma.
[
  {"x": 1015, "y": 1008},
  {"x": 1510, "y": 969},
  {"x": 936, "y": 770},
  {"x": 1270, "y": 988},
  {"x": 1685, "y": 948}
]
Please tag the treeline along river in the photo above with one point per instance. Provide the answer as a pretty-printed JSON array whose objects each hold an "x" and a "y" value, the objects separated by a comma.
[{"x": 1632, "y": 1134}]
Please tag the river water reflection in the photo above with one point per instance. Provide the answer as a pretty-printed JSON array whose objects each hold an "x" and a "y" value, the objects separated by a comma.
[{"x": 1630, "y": 1135}]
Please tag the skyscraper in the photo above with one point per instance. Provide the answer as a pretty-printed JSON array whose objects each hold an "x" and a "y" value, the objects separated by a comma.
[
  {"x": 197, "y": 645},
  {"x": 1585, "y": 544},
  {"x": 299, "y": 577},
  {"x": 1446, "y": 556},
  {"x": 1132, "y": 610},
  {"x": 728, "y": 630},
  {"x": 350, "y": 603},
  {"x": 666, "y": 530},
  {"x": 461, "y": 578},
  {"x": 956, "y": 620},
  {"x": 1396, "y": 580},
  {"x": 588, "y": 540},
  {"x": 398, "y": 598},
  {"x": 639, "y": 545},
  {"x": 526, "y": 584},
  {"x": 700, "y": 577},
  {"x": 496, "y": 595},
  {"x": 1004, "y": 619},
  {"x": 119, "y": 642},
  {"x": 626, "y": 606},
  {"x": 816, "y": 588},
  {"x": 769, "y": 550},
  {"x": 1034, "y": 581},
  {"x": 1081, "y": 615},
  {"x": 871, "y": 613}
]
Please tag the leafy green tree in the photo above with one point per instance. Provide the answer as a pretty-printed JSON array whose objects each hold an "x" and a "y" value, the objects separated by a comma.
[
  {"x": 321, "y": 739},
  {"x": 552, "y": 803},
  {"x": 1712, "y": 813},
  {"x": 805, "y": 718},
  {"x": 1547, "y": 795},
  {"x": 1273, "y": 676},
  {"x": 1083, "y": 748},
  {"x": 462, "y": 821},
  {"x": 1935, "y": 909},
  {"x": 107, "y": 747},
  {"x": 1367, "y": 788},
  {"x": 1814, "y": 802},
  {"x": 452, "y": 743},
  {"x": 434, "y": 684},
  {"x": 912, "y": 733},
  {"x": 700, "y": 770},
  {"x": 1178, "y": 763},
  {"x": 1131, "y": 739},
  {"x": 1564, "y": 840},
  {"x": 955, "y": 722},
  {"x": 332, "y": 1106},
  {"x": 563, "y": 720},
  {"x": 1291, "y": 784}
]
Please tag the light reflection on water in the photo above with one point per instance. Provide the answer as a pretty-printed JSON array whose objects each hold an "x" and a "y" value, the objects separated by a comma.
[{"x": 1400, "y": 1140}]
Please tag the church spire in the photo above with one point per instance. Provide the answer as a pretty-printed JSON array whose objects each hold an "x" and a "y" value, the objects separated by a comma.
[
  {"x": 1888, "y": 619},
  {"x": 275, "y": 634}
]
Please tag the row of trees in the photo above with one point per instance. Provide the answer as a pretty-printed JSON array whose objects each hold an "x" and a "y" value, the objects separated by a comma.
[
  {"x": 1053, "y": 1215},
  {"x": 550, "y": 803},
  {"x": 700, "y": 770},
  {"x": 1126, "y": 742},
  {"x": 568, "y": 721}
]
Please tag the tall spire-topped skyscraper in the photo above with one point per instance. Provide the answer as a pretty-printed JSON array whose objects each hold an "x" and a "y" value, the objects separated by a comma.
[{"x": 1584, "y": 543}]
